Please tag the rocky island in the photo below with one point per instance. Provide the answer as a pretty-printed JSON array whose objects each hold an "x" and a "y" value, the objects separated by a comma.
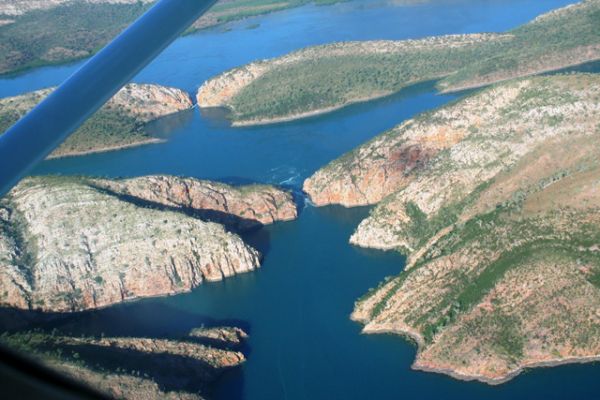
[
  {"x": 118, "y": 124},
  {"x": 324, "y": 78},
  {"x": 134, "y": 367},
  {"x": 494, "y": 199},
  {"x": 74, "y": 243}
]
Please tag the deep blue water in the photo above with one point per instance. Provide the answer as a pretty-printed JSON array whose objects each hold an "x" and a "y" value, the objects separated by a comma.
[{"x": 302, "y": 344}]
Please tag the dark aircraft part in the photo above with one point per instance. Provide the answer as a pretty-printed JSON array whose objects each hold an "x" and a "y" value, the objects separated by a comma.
[{"x": 45, "y": 127}]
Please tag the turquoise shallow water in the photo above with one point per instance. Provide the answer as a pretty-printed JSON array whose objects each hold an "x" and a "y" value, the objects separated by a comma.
[{"x": 302, "y": 344}]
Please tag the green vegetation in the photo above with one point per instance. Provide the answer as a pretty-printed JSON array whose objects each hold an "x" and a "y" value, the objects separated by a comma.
[
  {"x": 504, "y": 270},
  {"x": 332, "y": 81},
  {"x": 321, "y": 81},
  {"x": 105, "y": 129},
  {"x": 79, "y": 29},
  {"x": 546, "y": 38},
  {"x": 29, "y": 342},
  {"x": 234, "y": 10},
  {"x": 504, "y": 332},
  {"x": 63, "y": 33}
]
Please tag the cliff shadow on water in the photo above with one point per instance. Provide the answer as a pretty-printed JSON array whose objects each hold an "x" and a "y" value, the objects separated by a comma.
[
  {"x": 216, "y": 117},
  {"x": 167, "y": 126}
]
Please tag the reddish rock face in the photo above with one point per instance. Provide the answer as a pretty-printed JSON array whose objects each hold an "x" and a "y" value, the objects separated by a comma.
[
  {"x": 240, "y": 208},
  {"x": 99, "y": 242},
  {"x": 380, "y": 167},
  {"x": 93, "y": 248}
]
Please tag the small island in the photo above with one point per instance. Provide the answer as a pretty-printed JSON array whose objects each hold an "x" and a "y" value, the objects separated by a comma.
[
  {"x": 324, "y": 78},
  {"x": 495, "y": 201},
  {"x": 120, "y": 123},
  {"x": 75, "y": 243}
]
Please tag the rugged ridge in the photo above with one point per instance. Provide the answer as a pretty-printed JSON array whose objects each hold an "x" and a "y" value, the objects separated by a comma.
[
  {"x": 324, "y": 78},
  {"x": 241, "y": 208},
  {"x": 68, "y": 245},
  {"x": 119, "y": 123},
  {"x": 497, "y": 128},
  {"x": 501, "y": 228}
]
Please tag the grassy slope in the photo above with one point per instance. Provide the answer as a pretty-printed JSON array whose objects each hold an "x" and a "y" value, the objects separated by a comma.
[
  {"x": 77, "y": 30},
  {"x": 105, "y": 129},
  {"x": 320, "y": 81}
]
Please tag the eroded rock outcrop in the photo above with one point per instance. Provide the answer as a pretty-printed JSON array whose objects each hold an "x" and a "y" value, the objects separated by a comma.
[
  {"x": 241, "y": 207},
  {"x": 222, "y": 336},
  {"x": 501, "y": 228},
  {"x": 71, "y": 246},
  {"x": 381, "y": 166}
]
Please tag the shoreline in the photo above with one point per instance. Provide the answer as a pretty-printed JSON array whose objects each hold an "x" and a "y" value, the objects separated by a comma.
[
  {"x": 457, "y": 89},
  {"x": 512, "y": 374},
  {"x": 303, "y": 115},
  {"x": 53, "y": 314},
  {"x": 413, "y": 337},
  {"x": 439, "y": 90},
  {"x": 106, "y": 149}
]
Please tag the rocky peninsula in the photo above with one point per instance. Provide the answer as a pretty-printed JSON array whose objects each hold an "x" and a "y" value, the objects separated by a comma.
[
  {"x": 324, "y": 78},
  {"x": 70, "y": 244},
  {"x": 134, "y": 367},
  {"x": 494, "y": 199},
  {"x": 239, "y": 208},
  {"x": 118, "y": 124}
]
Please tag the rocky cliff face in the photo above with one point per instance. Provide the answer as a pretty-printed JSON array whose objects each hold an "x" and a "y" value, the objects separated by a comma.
[
  {"x": 218, "y": 91},
  {"x": 68, "y": 245},
  {"x": 133, "y": 367},
  {"x": 240, "y": 208},
  {"x": 381, "y": 166},
  {"x": 499, "y": 126},
  {"x": 147, "y": 102},
  {"x": 141, "y": 101},
  {"x": 119, "y": 123},
  {"x": 501, "y": 229}
]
